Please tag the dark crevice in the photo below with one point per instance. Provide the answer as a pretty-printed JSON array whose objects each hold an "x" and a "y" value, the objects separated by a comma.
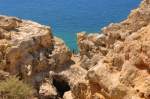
[{"x": 61, "y": 86}]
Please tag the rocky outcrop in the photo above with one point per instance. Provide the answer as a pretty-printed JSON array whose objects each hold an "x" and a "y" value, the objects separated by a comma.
[
  {"x": 115, "y": 33},
  {"x": 68, "y": 95},
  {"x": 65, "y": 80},
  {"x": 47, "y": 89},
  {"x": 3, "y": 75},
  {"x": 121, "y": 69},
  {"x": 29, "y": 50},
  {"x": 113, "y": 64},
  {"x": 26, "y": 45},
  {"x": 92, "y": 48}
]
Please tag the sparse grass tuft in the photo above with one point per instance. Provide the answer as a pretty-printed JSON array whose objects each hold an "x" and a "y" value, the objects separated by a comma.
[{"x": 13, "y": 88}]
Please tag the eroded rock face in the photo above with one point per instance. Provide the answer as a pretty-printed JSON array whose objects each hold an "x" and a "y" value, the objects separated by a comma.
[
  {"x": 27, "y": 40},
  {"x": 113, "y": 64},
  {"x": 122, "y": 68},
  {"x": 66, "y": 80},
  {"x": 68, "y": 95},
  {"x": 47, "y": 90},
  {"x": 29, "y": 50},
  {"x": 60, "y": 55},
  {"x": 3, "y": 75},
  {"x": 101, "y": 43}
]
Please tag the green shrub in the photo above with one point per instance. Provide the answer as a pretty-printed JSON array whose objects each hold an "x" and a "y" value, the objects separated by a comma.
[{"x": 13, "y": 88}]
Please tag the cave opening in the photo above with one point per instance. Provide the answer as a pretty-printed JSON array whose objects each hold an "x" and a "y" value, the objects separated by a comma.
[{"x": 61, "y": 85}]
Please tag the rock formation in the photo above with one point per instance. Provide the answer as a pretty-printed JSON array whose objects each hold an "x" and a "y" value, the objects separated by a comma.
[
  {"x": 29, "y": 50},
  {"x": 112, "y": 64},
  {"x": 117, "y": 59}
]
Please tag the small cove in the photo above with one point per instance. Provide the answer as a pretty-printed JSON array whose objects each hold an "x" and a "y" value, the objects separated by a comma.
[{"x": 69, "y": 17}]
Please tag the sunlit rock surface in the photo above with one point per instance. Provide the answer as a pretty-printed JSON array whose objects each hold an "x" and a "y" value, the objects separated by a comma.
[
  {"x": 119, "y": 59},
  {"x": 112, "y": 64}
]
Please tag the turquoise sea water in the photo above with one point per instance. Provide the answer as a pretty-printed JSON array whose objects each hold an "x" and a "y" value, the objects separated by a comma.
[{"x": 67, "y": 17}]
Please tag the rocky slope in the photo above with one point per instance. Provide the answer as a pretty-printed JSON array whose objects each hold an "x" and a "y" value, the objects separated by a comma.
[
  {"x": 112, "y": 64},
  {"x": 29, "y": 50},
  {"x": 117, "y": 59}
]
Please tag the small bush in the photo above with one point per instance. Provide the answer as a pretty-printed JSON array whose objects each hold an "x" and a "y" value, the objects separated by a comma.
[{"x": 13, "y": 88}]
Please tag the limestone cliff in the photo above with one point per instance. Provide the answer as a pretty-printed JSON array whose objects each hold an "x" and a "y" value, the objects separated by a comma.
[
  {"x": 112, "y": 64},
  {"x": 29, "y": 50},
  {"x": 117, "y": 59}
]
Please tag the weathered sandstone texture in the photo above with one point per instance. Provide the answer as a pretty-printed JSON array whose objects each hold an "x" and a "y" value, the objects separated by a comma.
[
  {"x": 117, "y": 59},
  {"x": 112, "y": 64},
  {"x": 29, "y": 50}
]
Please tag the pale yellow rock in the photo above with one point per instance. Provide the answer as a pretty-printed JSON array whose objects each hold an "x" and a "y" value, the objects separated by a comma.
[
  {"x": 26, "y": 48},
  {"x": 47, "y": 89},
  {"x": 113, "y": 64},
  {"x": 67, "y": 95},
  {"x": 123, "y": 71}
]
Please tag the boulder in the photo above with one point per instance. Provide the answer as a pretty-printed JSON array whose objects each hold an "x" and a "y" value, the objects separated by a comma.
[
  {"x": 47, "y": 90},
  {"x": 67, "y": 95}
]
